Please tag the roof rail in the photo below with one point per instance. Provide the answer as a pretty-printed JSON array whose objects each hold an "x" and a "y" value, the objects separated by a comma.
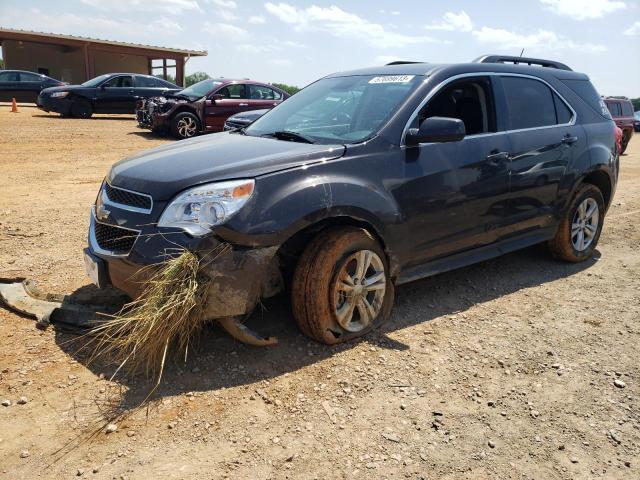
[
  {"x": 521, "y": 60},
  {"x": 403, "y": 62},
  {"x": 618, "y": 97}
]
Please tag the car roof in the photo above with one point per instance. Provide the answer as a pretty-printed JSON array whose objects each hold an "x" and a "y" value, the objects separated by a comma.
[
  {"x": 226, "y": 81},
  {"x": 428, "y": 69},
  {"x": 24, "y": 71}
]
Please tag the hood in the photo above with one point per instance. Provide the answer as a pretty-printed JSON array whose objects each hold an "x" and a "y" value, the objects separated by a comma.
[
  {"x": 62, "y": 88},
  {"x": 250, "y": 115},
  {"x": 164, "y": 171}
]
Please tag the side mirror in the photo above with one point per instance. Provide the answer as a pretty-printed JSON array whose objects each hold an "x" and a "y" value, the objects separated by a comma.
[
  {"x": 436, "y": 130},
  {"x": 215, "y": 97}
]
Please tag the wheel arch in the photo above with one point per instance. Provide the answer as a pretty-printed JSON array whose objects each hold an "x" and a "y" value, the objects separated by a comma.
[{"x": 600, "y": 179}]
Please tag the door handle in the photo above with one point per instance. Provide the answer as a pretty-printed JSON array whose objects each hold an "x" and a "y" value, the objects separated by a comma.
[
  {"x": 495, "y": 158},
  {"x": 568, "y": 140},
  {"x": 243, "y": 104}
]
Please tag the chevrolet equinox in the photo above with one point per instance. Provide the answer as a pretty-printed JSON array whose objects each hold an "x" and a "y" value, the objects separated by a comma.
[{"x": 366, "y": 180}]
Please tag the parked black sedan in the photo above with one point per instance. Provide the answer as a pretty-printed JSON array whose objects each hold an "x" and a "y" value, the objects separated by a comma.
[
  {"x": 109, "y": 93},
  {"x": 23, "y": 86}
]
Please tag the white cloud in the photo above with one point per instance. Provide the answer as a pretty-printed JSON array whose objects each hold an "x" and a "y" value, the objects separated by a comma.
[
  {"x": 458, "y": 22},
  {"x": 540, "y": 40},
  {"x": 226, "y": 15},
  {"x": 225, "y": 3},
  {"x": 339, "y": 23},
  {"x": 94, "y": 26},
  {"x": 253, "y": 48},
  {"x": 256, "y": 19},
  {"x": 281, "y": 62},
  {"x": 633, "y": 29},
  {"x": 225, "y": 29},
  {"x": 166, "y": 6},
  {"x": 583, "y": 9}
]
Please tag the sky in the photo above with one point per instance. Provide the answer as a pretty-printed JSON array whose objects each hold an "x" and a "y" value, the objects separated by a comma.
[{"x": 297, "y": 42}]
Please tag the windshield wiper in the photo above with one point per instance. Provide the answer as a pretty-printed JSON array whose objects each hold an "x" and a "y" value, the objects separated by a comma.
[{"x": 291, "y": 136}]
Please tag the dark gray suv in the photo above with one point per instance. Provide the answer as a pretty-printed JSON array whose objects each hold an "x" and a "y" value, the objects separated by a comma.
[{"x": 366, "y": 180}]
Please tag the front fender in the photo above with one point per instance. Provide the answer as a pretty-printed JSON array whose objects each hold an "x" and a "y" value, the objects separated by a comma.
[{"x": 282, "y": 207}]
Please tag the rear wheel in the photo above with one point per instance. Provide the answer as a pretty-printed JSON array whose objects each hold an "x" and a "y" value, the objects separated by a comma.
[
  {"x": 625, "y": 141},
  {"x": 341, "y": 287},
  {"x": 579, "y": 231},
  {"x": 81, "y": 109},
  {"x": 185, "y": 125}
]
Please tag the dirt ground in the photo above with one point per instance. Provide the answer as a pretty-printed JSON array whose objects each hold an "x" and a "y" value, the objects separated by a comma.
[{"x": 501, "y": 370}]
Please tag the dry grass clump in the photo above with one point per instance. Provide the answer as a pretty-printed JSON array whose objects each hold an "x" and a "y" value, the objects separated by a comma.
[{"x": 168, "y": 313}]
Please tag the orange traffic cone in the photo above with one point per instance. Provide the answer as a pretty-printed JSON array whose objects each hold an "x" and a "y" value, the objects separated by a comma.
[{"x": 14, "y": 106}]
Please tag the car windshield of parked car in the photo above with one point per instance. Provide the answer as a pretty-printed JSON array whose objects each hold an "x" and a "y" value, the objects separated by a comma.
[
  {"x": 337, "y": 110},
  {"x": 199, "y": 89},
  {"x": 94, "y": 82}
]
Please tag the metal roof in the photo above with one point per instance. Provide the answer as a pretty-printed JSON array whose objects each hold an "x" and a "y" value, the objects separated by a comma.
[{"x": 29, "y": 36}]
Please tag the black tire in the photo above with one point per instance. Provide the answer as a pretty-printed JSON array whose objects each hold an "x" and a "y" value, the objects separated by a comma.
[
  {"x": 81, "y": 108},
  {"x": 563, "y": 245},
  {"x": 625, "y": 143},
  {"x": 185, "y": 125},
  {"x": 316, "y": 298}
]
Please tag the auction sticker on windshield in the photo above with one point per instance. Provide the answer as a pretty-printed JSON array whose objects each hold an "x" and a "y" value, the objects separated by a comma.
[{"x": 392, "y": 79}]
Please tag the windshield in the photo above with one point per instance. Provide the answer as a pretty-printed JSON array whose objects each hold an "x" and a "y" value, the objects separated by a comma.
[
  {"x": 338, "y": 110},
  {"x": 200, "y": 89},
  {"x": 94, "y": 82}
]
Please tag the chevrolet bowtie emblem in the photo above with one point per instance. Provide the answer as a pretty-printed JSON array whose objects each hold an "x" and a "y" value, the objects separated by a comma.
[{"x": 101, "y": 212}]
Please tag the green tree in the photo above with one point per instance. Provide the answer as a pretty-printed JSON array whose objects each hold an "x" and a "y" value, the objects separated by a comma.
[
  {"x": 290, "y": 89},
  {"x": 195, "y": 78},
  {"x": 636, "y": 104},
  {"x": 1, "y": 63}
]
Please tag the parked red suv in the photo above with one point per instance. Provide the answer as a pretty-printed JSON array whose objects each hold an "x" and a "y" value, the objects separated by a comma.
[
  {"x": 621, "y": 110},
  {"x": 204, "y": 106}
]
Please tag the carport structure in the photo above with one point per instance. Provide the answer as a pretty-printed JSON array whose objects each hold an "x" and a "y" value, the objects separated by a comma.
[{"x": 77, "y": 59}]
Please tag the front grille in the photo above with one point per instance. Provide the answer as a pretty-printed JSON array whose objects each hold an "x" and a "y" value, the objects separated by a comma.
[
  {"x": 137, "y": 200},
  {"x": 114, "y": 239}
]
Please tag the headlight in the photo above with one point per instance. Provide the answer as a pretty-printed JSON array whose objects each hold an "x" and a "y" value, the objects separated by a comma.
[
  {"x": 59, "y": 94},
  {"x": 198, "y": 209}
]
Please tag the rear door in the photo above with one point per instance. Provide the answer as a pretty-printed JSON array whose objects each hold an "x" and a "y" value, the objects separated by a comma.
[
  {"x": 544, "y": 140},
  {"x": 217, "y": 110},
  {"x": 116, "y": 95}
]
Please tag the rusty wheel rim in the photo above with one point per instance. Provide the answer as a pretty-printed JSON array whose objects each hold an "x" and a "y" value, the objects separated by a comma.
[{"x": 359, "y": 290}]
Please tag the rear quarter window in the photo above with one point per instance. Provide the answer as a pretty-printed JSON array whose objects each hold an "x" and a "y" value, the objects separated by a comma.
[
  {"x": 614, "y": 108},
  {"x": 587, "y": 92}
]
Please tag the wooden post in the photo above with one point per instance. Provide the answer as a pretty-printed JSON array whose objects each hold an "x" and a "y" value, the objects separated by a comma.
[
  {"x": 87, "y": 71},
  {"x": 180, "y": 71},
  {"x": 164, "y": 68}
]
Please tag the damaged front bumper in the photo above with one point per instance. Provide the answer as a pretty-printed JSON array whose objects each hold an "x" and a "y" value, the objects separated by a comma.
[
  {"x": 239, "y": 276},
  {"x": 119, "y": 250}
]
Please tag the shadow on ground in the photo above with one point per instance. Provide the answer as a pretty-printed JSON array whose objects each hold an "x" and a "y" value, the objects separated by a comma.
[
  {"x": 150, "y": 135},
  {"x": 55, "y": 116},
  {"x": 220, "y": 361}
]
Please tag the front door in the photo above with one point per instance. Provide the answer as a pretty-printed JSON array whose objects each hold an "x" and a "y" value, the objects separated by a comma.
[
  {"x": 231, "y": 99},
  {"x": 543, "y": 141},
  {"x": 116, "y": 95},
  {"x": 454, "y": 195}
]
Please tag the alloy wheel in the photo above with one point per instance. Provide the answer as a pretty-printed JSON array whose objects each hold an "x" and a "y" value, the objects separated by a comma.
[
  {"x": 187, "y": 127},
  {"x": 359, "y": 290},
  {"x": 585, "y": 224}
]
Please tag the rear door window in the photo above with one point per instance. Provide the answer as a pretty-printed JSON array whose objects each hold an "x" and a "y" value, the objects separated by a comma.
[
  {"x": 259, "y": 92},
  {"x": 147, "y": 82},
  {"x": 627, "y": 109},
  {"x": 530, "y": 103},
  {"x": 123, "y": 81},
  {"x": 29, "y": 77}
]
